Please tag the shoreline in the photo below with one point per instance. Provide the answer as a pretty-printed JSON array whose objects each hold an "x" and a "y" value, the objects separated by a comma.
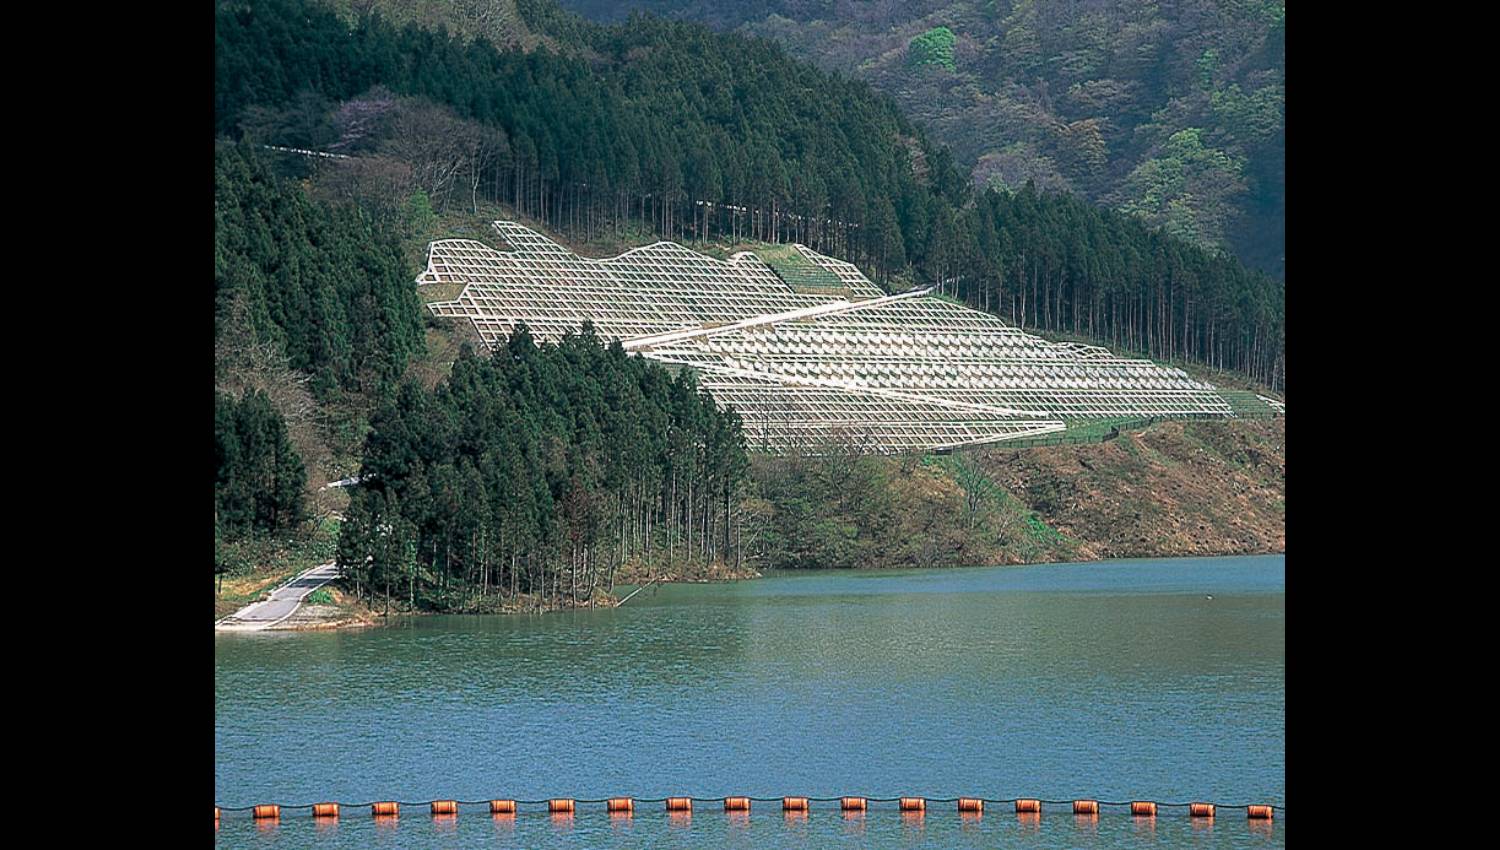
[{"x": 347, "y": 613}]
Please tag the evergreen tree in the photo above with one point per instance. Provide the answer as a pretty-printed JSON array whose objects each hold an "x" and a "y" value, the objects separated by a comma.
[{"x": 260, "y": 479}]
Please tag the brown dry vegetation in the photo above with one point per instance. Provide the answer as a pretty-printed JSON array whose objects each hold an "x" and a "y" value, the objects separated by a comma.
[
  {"x": 239, "y": 591},
  {"x": 1173, "y": 489},
  {"x": 633, "y": 573}
]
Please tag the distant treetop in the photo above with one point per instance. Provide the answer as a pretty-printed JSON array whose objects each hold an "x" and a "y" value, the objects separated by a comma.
[{"x": 934, "y": 47}]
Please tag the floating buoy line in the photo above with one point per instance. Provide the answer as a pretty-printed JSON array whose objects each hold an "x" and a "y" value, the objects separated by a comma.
[{"x": 626, "y": 806}]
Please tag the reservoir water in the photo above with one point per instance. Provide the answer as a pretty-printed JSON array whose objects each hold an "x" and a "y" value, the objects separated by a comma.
[{"x": 1119, "y": 680}]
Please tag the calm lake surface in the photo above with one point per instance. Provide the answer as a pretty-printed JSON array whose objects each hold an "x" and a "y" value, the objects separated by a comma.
[{"x": 1117, "y": 680}]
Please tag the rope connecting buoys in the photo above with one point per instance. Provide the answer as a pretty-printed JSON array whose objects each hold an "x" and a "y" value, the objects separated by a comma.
[{"x": 1028, "y": 808}]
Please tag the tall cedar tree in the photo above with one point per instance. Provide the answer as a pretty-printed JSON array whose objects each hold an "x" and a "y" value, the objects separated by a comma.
[{"x": 260, "y": 479}]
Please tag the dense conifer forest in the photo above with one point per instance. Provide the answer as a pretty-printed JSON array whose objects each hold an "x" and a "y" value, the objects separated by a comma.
[
  {"x": 541, "y": 471},
  {"x": 258, "y": 487},
  {"x": 700, "y": 135},
  {"x": 320, "y": 282}
]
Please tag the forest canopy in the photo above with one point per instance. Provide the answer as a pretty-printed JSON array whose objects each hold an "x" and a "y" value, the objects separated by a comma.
[
  {"x": 700, "y": 135},
  {"x": 540, "y": 471},
  {"x": 319, "y": 282}
]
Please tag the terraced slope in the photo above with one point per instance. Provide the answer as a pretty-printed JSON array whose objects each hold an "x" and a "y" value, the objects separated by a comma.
[{"x": 809, "y": 351}]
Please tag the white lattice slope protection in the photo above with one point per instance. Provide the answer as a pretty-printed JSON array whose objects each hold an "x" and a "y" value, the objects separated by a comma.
[{"x": 806, "y": 365}]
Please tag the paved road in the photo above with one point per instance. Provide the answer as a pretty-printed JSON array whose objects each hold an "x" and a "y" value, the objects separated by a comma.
[{"x": 283, "y": 602}]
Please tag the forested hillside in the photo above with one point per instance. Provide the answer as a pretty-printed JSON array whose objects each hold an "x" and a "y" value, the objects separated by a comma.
[
  {"x": 541, "y": 471},
  {"x": 701, "y": 136},
  {"x": 533, "y": 476},
  {"x": 320, "y": 283},
  {"x": 1172, "y": 110}
]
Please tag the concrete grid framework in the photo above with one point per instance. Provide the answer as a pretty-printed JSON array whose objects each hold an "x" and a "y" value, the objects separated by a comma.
[{"x": 807, "y": 366}]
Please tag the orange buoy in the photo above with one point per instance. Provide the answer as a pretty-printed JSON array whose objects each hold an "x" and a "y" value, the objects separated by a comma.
[
  {"x": 1143, "y": 809},
  {"x": 560, "y": 806},
  {"x": 1085, "y": 807},
  {"x": 1201, "y": 810},
  {"x": 216, "y": 814},
  {"x": 1028, "y": 805},
  {"x": 269, "y": 810},
  {"x": 794, "y": 804},
  {"x": 913, "y": 804},
  {"x": 970, "y": 804},
  {"x": 620, "y": 804},
  {"x": 385, "y": 810},
  {"x": 1259, "y": 812},
  {"x": 445, "y": 807},
  {"x": 325, "y": 810},
  {"x": 853, "y": 804},
  {"x": 736, "y": 804},
  {"x": 679, "y": 804},
  {"x": 502, "y": 807}
]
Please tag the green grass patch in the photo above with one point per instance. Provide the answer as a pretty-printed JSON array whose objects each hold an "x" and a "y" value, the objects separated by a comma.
[
  {"x": 800, "y": 273},
  {"x": 321, "y": 596},
  {"x": 1045, "y": 535},
  {"x": 1247, "y": 403}
]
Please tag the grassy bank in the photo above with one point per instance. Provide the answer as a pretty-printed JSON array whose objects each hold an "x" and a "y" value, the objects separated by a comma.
[{"x": 252, "y": 568}]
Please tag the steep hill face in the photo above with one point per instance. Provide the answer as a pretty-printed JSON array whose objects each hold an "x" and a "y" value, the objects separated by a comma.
[
  {"x": 1173, "y": 111},
  {"x": 1174, "y": 489}
]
